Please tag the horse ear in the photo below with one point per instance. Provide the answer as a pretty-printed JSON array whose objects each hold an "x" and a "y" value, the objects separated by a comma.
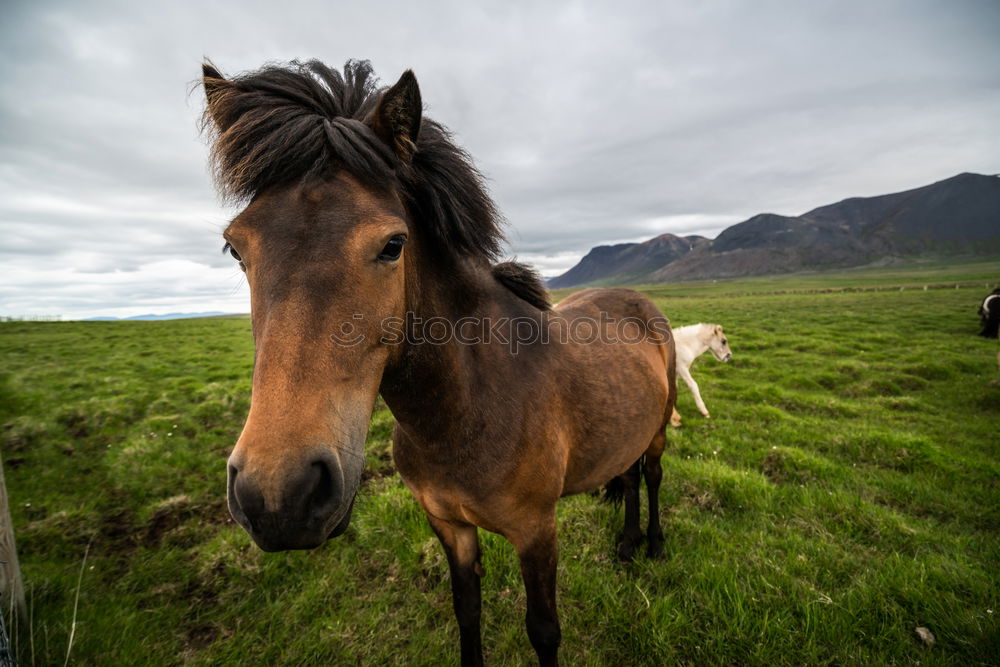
[
  {"x": 215, "y": 86},
  {"x": 396, "y": 119}
]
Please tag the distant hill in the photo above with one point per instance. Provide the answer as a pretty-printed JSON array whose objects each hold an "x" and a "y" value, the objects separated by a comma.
[
  {"x": 150, "y": 316},
  {"x": 627, "y": 260},
  {"x": 959, "y": 215}
]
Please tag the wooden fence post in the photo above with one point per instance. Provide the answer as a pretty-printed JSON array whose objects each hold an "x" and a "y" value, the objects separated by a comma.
[{"x": 11, "y": 587}]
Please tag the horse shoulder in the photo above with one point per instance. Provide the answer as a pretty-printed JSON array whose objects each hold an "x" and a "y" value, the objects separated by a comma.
[{"x": 685, "y": 350}]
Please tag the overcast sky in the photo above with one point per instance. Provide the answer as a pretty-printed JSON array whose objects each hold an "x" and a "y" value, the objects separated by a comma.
[{"x": 596, "y": 123}]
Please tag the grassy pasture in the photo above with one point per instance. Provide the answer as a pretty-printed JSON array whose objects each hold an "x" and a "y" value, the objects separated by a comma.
[{"x": 845, "y": 491}]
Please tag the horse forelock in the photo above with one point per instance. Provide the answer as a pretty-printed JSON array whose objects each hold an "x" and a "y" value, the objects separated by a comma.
[
  {"x": 286, "y": 123},
  {"x": 279, "y": 124}
]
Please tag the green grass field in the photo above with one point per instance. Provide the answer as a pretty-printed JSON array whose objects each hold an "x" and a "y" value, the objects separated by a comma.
[{"x": 845, "y": 492}]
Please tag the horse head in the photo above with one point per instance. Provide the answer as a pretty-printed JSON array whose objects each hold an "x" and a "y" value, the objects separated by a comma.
[
  {"x": 719, "y": 344},
  {"x": 324, "y": 245}
]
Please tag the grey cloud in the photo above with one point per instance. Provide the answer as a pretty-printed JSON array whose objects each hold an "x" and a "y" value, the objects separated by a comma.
[{"x": 595, "y": 122}]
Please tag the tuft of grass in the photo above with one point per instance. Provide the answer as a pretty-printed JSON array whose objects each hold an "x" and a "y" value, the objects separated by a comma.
[{"x": 843, "y": 493}]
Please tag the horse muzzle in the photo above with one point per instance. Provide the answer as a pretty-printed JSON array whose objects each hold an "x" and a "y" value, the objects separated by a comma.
[{"x": 300, "y": 509}]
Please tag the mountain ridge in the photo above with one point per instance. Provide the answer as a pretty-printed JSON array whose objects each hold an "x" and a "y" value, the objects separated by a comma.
[
  {"x": 629, "y": 258},
  {"x": 957, "y": 215}
]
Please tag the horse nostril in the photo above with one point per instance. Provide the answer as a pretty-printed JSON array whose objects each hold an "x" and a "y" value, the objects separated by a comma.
[
  {"x": 245, "y": 499},
  {"x": 234, "y": 503},
  {"x": 323, "y": 489}
]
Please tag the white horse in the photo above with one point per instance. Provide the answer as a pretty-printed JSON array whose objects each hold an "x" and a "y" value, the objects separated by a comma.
[{"x": 691, "y": 342}]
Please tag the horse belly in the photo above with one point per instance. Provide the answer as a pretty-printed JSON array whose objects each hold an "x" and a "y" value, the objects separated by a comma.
[
  {"x": 492, "y": 486},
  {"x": 618, "y": 422}
]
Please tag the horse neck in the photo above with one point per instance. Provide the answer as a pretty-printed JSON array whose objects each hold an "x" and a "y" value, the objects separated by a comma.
[
  {"x": 430, "y": 383},
  {"x": 695, "y": 338}
]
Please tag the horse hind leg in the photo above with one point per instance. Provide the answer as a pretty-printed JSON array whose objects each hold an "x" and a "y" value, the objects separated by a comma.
[
  {"x": 653, "y": 473},
  {"x": 632, "y": 534}
]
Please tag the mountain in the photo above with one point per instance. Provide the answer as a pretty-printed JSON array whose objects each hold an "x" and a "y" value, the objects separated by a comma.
[
  {"x": 959, "y": 215},
  {"x": 626, "y": 260},
  {"x": 150, "y": 316}
]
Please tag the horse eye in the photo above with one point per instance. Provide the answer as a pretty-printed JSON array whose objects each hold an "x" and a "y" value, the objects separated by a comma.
[
  {"x": 724, "y": 341},
  {"x": 232, "y": 251},
  {"x": 393, "y": 249}
]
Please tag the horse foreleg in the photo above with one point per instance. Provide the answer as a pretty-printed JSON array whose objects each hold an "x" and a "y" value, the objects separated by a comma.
[
  {"x": 632, "y": 534},
  {"x": 461, "y": 545},
  {"x": 538, "y": 554},
  {"x": 653, "y": 472},
  {"x": 693, "y": 386}
]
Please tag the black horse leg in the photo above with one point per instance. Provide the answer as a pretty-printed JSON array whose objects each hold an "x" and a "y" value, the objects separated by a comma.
[
  {"x": 653, "y": 472},
  {"x": 461, "y": 545},
  {"x": 632, "y": 534},
  {"x": 537, "y": 551}
]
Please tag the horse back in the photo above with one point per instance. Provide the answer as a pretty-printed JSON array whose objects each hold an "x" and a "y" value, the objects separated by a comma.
[
  {"x": 623, "y": 386},
  {"x": 626, "y": 313}
]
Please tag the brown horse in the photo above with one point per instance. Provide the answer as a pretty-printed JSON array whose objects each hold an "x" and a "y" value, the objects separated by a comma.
[{"x": 369, "y": 243}]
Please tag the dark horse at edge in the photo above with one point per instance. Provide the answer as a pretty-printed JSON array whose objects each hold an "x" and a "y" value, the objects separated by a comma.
[
  {"x": 989, "y": 315},
  {"x": 360, "y": 211}
]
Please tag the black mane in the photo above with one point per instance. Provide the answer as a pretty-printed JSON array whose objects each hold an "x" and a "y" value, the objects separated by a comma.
[
  {"x": 523, "y": 281},
  {"x": 285, "y": 123}
]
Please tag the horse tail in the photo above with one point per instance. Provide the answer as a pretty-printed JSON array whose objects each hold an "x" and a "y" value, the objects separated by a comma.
[{"x": 614, "y": 491}]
